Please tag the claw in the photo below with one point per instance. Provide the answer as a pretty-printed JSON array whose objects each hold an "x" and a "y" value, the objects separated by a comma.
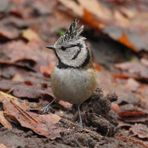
[{"x": 47, "y": 107}]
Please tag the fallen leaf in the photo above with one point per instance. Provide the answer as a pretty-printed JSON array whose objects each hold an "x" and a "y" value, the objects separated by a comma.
[
  {"x": 47, "y": 70},
  {"x": 4, "y": 121},
  {"x": 132, "y": 84},
  {"x": 8, "y": 33},
  {"x": 18, "y": 78},
  {"x": 120, "y": 23},
  {"x": 140, "y": 130},
  {"x": 23, "y": 90},
  {"x": 124, "y": 40},
  {"x": 45, "y": 125},
  {"x": 97, "y": 67},
  {"x": 107, "y": 83},
  {"x": 29, "y": 55},
  {"x": 144, "y": 62},
  {"x": 132, "y": 114},
  {"x": 78, "y": 9},
  {"x": 134, "y": 70},
  {"x": 3, "y": 146},
  {"x": 30, "y": 35}
]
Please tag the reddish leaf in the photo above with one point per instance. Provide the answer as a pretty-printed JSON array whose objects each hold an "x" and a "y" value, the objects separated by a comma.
[
  {"x": 4, "y": 121},
  {"x": 134, "y": 115},
  {"x": 134, "y": 69},
  {"x": 30, "y": 55},
  {"x": 120, "y": 23},
  {"x": 140, "y": 130},
  {"x": 22, "y": 90},
  {"x": 44, "y": 125}
]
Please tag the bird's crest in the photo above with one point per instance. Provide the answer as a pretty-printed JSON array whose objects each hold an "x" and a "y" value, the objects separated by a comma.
[{"x": 72, "y": 34}]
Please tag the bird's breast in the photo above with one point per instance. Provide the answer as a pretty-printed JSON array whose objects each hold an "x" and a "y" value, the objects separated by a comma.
[{"x": 73, "y": 85}]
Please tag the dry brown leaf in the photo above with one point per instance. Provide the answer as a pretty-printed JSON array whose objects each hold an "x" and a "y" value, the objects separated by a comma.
[
  {"x": 8, "y": 32},
  {"x": 4, "y": 121},
  {"x": 78, "y": 10},
  {"x": 120, "y": 23},
  {"x": 133, "y": 114},
  {"x": 44, "y": 125},
  {"x": 132, "y": 84},
  {"x": 144, "y": 61},
  {"x": 124, "y": 40},
  {"x": 134, "y": 69},
  {"x": 96, "y": 8},
  {"x": 3, "y": 146},
  {"x": 30, "y": 35},
  {"x": 140, "y": 130},
  {"x": 47, "y": 70},
  {"x": 97, "y": 67},
  {"x": 29, "y": 55}
]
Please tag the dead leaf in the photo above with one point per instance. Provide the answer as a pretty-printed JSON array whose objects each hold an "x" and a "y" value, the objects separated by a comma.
[
  {"x": 8, "y": 33},
  {"x": 132, "y": 114},
  {"x": 107, "y": 83},
  {"x": 120, "y": 23},
  {"x": 3, "y": 146},
  {"x": 44, "y": 125},
  {"x": 97, "y": 67},
  {"x": 132, "y": 84},
  {"x": 25, "y": 90},
  {"x": 30, "y": 35},
  {"x": 78, "y": 10},
  {"x": 47, "y": 70},
  {"x": 124, "y": 40},
  {"x": 134, "y": 69},
  {"x": 29, "y": 55},
  {"x": 18, "y": 78},
  {"x": 120, "y": 76},
  {"x": 144, "y": 62},
  {"x": 140, "y": 130},
  {"x": 4, "y": 122}
]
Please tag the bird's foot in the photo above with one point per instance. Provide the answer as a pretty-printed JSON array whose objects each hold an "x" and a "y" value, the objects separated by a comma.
[
  {"x": 47, "y": 107},
  {"x": 80, "y": 118}
]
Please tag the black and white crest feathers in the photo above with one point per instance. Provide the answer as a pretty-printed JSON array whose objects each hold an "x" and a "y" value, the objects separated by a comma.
[{"x": 72, "y": 34}]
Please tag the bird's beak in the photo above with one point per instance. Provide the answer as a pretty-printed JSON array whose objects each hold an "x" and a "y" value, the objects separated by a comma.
[{"x": 51, "y": 47}]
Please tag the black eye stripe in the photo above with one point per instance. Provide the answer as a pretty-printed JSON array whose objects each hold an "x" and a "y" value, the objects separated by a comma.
[
  {"x": 76, "y": 55},
  {"x": 70, "y": 46},
  {"x": 61, "y": 65},
  {"x": 63, "y": 48}
]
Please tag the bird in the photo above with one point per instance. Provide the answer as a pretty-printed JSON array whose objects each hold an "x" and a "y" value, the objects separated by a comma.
[{"x": 73, "y": 78}]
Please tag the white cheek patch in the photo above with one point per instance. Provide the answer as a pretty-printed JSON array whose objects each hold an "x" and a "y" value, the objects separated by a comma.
[
  {"x": 68, "y": 54},
  {"x": 73, "y": 56}
]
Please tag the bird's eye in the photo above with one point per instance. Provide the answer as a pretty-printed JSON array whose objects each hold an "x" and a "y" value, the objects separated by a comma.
[{"x": 63, "y": 48}]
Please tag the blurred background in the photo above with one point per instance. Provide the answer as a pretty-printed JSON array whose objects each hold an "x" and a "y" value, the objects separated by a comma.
[{"x": 116, "y": 32}]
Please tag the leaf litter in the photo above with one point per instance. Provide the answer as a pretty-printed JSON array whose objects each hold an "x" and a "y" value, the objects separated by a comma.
[{"x": 26, "y": 66}]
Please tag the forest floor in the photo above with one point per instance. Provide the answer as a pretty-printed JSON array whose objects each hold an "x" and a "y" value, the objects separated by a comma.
[{"x": 116, "y": 115}]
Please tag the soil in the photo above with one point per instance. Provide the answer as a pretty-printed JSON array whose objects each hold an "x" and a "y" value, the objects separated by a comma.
[{"x": 99, "y": 129}]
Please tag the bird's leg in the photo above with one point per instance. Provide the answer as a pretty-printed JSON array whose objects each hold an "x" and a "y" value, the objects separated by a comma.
[
  {"x": 80, "y": 118},
  {"x": 47, "y": 107}
]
